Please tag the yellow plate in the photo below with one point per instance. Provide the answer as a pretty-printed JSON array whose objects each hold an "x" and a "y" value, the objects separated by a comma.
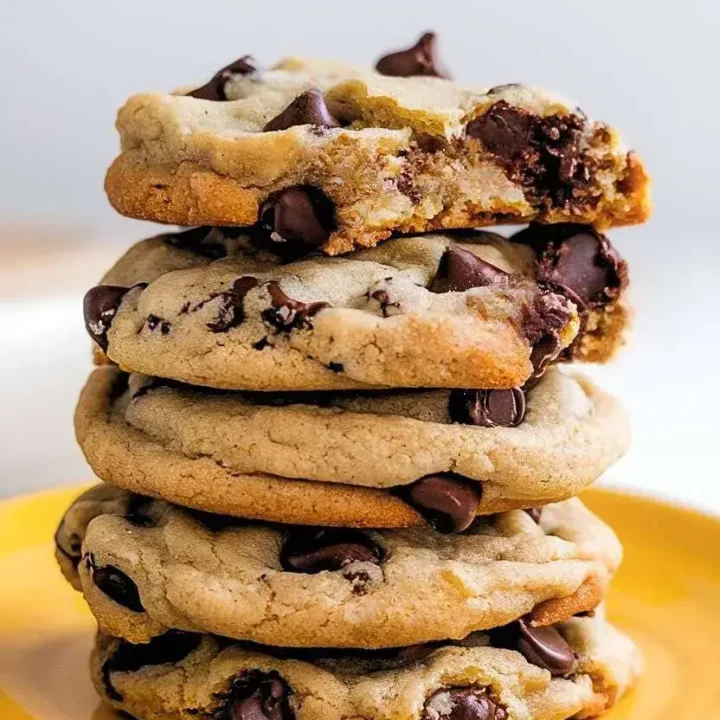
[{"x": 667, "y": 596}]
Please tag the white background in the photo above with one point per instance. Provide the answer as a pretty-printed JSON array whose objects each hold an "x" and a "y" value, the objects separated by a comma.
[{"x": 649, "y": 67}]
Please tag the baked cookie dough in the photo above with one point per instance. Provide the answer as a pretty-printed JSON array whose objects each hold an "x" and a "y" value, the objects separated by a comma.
[
  {"x": 475, "y": 310},
  {"x": 146, "y": 567},
  {"x": 379, "y": 460},
  {"x": 576, "y": 669},
  {"x": 323, "y": 154}
]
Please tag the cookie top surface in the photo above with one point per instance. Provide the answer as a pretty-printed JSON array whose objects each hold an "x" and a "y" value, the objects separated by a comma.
[
  {"x": 389, "y": 154},
  {"x": 355, "y": 459},
  {"x": 562, "y": 434},
  {"x": 207, "y": 307},
  {"x": 148, "y": 566},
  {"x": 182, "y": 675}
]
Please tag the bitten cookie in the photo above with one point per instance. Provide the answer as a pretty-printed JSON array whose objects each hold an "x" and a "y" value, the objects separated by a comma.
[
  {"x": 146, "y": 566},
  {"x": 207, "y": 307},
  {"x": 323, "y": 154},
  {"x": 369, "y": 460},
  {"x": 575, "y": 669}
]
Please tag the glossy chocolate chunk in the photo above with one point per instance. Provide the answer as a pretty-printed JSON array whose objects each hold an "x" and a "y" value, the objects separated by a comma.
[
  {"x": 420, "y": 59},
  {"x": 540, "y": 152},
  {"x": 116, "y": 585},
  {"x": 215, "y": 89},
  {"x": 309, "y": 108},
  {"x": 463, "y": 703},
  {"x": 231, "y": 312},
  {"x": 541, "y": 646},
  {"x": 100, "y": 305},
  {"x": 543, "y": 323},
  {"x": 171, "y": 647},
  {"x": 315, "y": 550},
  {"x": 546, "y": 648},
  {"x": 460, "y": 270},
  {"x": 287, "y": 314},
  {"x": 447, "y": 501},
  {"x": 577, "y": 261},
  {"x": 504, "y": 131},
  {"x": 487, "y": 408},
  {"x": 256, "y": 695},
  {"x": 301, "y": 216}
]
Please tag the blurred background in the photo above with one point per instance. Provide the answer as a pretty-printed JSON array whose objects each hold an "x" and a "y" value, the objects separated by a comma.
[{"x": 647, "y": 67}]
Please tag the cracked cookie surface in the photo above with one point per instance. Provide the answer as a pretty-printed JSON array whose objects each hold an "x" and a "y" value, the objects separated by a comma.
[
  {"x": 342, "y": 459},
  {"x": 390, "y": 154},
  {"x": 146, "y": 567},
  {"x": 184, "y": 676},
  {"x": 477, "y": 310}
]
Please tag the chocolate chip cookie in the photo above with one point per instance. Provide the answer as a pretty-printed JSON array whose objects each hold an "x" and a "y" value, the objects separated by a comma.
[
  {"x": 208, "y": 307},
  {"x": 146, "y": 566},
  {"x": 326, "y": 155},
  {"x": 578, "y": 668},
  {"x": 384, "y": 459}
]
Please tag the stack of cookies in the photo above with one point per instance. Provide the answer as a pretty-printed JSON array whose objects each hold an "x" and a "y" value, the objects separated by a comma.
[{"x": 339, "y": 452}]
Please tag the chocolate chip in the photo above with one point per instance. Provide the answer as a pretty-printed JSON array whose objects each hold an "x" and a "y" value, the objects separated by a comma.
[
  {"x": 487, "y": 408},
  {"x": 543, "y": 322},
  {"x": 116, "y": 585},
  {"x": 420, "y": 59},
  {"x": 577, "y": 261},
  {"x": 308, "y": 108},
  {"x": 382, "y": 297},
  {"x": 311, "y": 550},
  {"x": 153, "y": 322},
  {"x": 300, "y": 216},
  {"x": 546, "y": 648},
  {"x": 540, "y": 152},
  {"x": 256, "y": 695},
  {"x": 464, "y": 703},
  {"x": 336, "y": 367},
  {"x": 100, "y": 305},
  {"x": 460, "y": 269},
  {"x": 541, "y": 646},
  {"x": 535, "y": 513},
  {"x": 171, "y": 647},
  {"x": 215, "y": 89},
  {"x": 504, "y": 131},
  {"x": 261, "y": 344},
  {"x": 197, "y": 240},
  {"x": 286, "y": 313},
  {"x": 447, "y": 501},
  {"x": 231, "y": 311}
]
